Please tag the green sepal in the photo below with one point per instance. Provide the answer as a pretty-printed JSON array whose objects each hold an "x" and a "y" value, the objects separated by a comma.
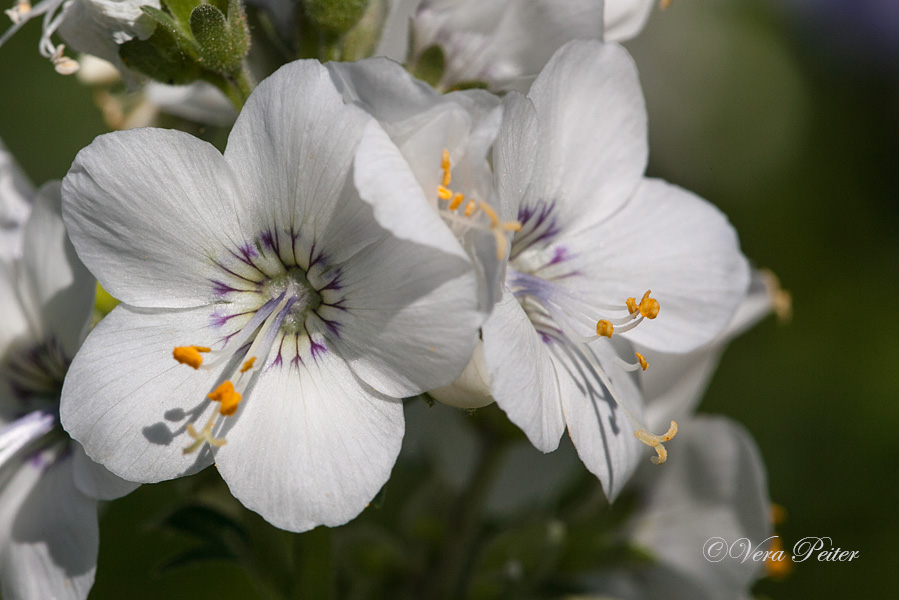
[
  {"x": 161, "y": 57},
  {"x": 179, "y": 32},
  {"x": 181, "y": 9},
  {"x": 430, "y": 65},
  {"x": 222, "y": 42}
]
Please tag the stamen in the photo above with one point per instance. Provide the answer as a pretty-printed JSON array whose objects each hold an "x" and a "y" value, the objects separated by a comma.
[
  {"x": 445, "y": 166},
  {"x": 604, "y": 328},
  {"x": 190, "y": 355},
  {"x": 248, "y": 365},
  {"x": 664, "y": 4},
  {"x": 473, "y": 208},
  {"x": 63, "y": 64},
  {"x": 18, "y": 12},
  {"x": 225, "y": 394},
  {"x": 643, "y": 364},
  {"x": 655, "y": 441},
  {"x": 649, "y": 307}
]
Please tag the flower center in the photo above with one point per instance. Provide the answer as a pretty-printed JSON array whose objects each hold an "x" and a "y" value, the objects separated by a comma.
[
  {"x": 471, "y": 213},
  {"x": 558, "y": 314},
  {"x": 270, "y": 286}
]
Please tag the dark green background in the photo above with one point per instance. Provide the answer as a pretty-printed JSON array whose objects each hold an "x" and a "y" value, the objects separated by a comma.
[{"x": 794, "y": 137}]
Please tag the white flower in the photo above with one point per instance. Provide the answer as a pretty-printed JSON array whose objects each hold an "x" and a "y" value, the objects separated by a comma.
[
  {"x": 48, "y": 511},
  {"x": 432, "y": 167},
  {"x": 502, "y": 42},
  {"x": 262, "y": 269},
  {"x": 94, "y": 27},
  {"x": 16, "y": 195},
  {"x": 714, "y": 487},
  {"x": 596, "y": 237}
]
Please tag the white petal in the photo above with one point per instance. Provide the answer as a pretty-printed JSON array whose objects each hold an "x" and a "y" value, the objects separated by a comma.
[
  {"x": 311, "y": 446},
  {"x": 16, "y": 194},
  {"x": 199, "y": 101},
  {"x": 145, "y": 209},
  {"x": 624, "y": 19},
  {"x": 472, "y": 388},
  {"x": 713, "y": 485},
  {"x": 593, "y": 119},
  {"x": 672, "y": 242},
  {"x": 98, "y": 26},
  {"x": 522, "y": 378},
  {"x": 675, "y": 383},
  {"x": 602, "y": 435},
  {"x": 128, "y": 401},
  {"x": 411, "y": 317},
  {"x": 394, "y": 42},
  {"x": 49, "y": 534},
  {"x": 96, "y": 481},
  {"x": 61, "y": 286},
  {"x": 515, "y": 156},
  {"x": 385, "y": 180},
  {"x": 292, "y": 148}
]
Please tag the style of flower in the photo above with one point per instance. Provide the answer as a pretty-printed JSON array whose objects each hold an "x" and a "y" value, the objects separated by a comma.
[
  {"x": 298, "y": 320},
  {"x": 94, "y": 27},
  {"x": 596, "y": 237},
  {"x": 48, "y": 507}
]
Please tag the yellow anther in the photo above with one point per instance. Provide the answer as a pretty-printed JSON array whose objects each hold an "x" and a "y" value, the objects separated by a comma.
[
  {"x": 664, "y": 4},
  {"x": 445, "y": 167},
  {"x": 642, "y": 359},
  {"x": 457, "y": 201},
  {"x": 190, "y": 355},
  {"x": 444, "y": 193},
  {"x": 248, "y": 365},
  {"x": 631, "y": 305},
  {"x": 655, "y": 442},
  {"x": 470, "y": 208},
  {"x": 604, "y": 328},
  {"x": 512, "y": 226},
  {"x": 227, "y": 396},
  {"x": 649, "y": 307}
]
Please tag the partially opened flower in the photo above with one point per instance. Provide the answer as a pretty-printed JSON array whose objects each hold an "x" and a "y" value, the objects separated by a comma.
[
  {"x": 16, "y": 196},
  {"x": 298, "y": 319},
  {"x": 504, "y": 43},
  {"x": 94, "y": 27},
  {"x": 435, "y": 166},
  {"x": 602, "y": 253},
  {"x": 48, "y": 487}
]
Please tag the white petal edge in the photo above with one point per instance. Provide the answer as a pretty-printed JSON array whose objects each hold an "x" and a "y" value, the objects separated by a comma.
[
  {"x": 311, "y": 446},
  {"x": 146, "y": 209}
]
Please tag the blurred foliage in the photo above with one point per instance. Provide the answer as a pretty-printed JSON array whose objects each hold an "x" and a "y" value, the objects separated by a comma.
[{"x": 751, "y": 107}]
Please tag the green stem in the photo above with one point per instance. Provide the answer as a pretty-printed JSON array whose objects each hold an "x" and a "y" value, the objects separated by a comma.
[
  {"x": 237, "y": 87},
  {"x": 455, "y": 566}
]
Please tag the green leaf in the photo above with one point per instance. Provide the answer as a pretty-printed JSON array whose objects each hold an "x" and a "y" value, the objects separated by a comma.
[{"x": 178, "y": 31}]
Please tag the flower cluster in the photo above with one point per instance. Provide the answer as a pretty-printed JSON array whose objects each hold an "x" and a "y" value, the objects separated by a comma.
[{"x": 367, "y": 236}]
